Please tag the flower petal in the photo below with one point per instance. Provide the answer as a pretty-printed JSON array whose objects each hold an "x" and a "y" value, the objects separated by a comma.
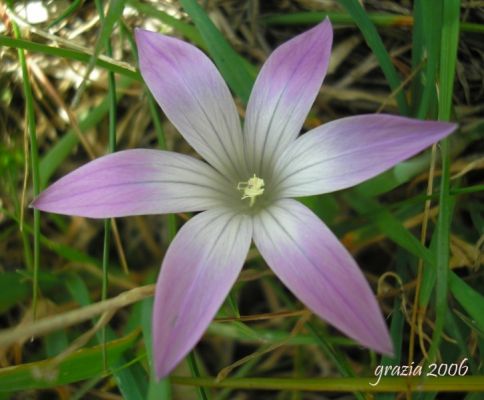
[
  {"x": 283, "y": 94},
  {"x": 314, "y": 265},
  {"x": 136, "y": 182},
  {"x": 348, "y": 151},
  {"x": 200, "y": 266},
  {"x": 194, "y": 97}
]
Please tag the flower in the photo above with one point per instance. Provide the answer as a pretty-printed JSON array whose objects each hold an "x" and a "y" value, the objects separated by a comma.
[{"x": 245, "y": 188}]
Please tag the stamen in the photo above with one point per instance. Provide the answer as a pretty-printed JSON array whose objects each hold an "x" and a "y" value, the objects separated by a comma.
[{"x": 251, "y": 189}]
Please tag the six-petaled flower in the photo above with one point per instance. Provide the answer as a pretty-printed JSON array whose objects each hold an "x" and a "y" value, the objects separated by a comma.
[{"x": 245, "y": 187}]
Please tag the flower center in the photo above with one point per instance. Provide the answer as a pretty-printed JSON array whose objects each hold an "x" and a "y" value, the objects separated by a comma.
[{"x": 251, "y": 189}]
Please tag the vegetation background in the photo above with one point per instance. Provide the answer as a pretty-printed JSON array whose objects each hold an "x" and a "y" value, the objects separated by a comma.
[{"x": 76, "y": 294}]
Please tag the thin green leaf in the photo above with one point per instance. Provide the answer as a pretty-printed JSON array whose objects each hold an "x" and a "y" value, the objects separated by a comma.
[
  {"x": 334, "y": 354},
  {"x": 314, "y": 17},
  {"x": 348, "y": 385},
  {"x": 389, "y": 225},
  {"x": 264, "y": 336},
  {"x": 13, "y": 289},
  {"x": 66, "y": 13},
  {"x": 156, "y": 389},
  {"x": 448, "y": 60},
  {"x": 34, "y": 160},
  {"x": 131, "y": 379},
  {"x": 429, "y": 276},
  {"x": 323, "y": 340},
  {"x": 395, "y": 177},
  {"x": 418, "y": 55},
  {"x": 396, "y": 332},
  {"x": 373, "y": 39},
  {"x": 115, "y": 12},
  {"x": 427, "y": 99},
  {"x": 379, "y": 19},
  {"x": 70, "y": 54},
  {"x": 83, "y": 364},
  {"x": 227, "y": 60},
  {"x": 56, "y": 343},
  {"x": 187, "y": 30},
  {"x": 193, "y": 365},
  {"x": 469, "y": 299}
]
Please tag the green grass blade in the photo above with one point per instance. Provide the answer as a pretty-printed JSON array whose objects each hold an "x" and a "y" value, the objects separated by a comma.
[
  {"x": 156, "y": 389},
  {"x": 227, "y": 60},
  {"x": 388, "y": 224},
  {"x": 66, "y": 13},
  {"x": 461, "y": 349},
  {"x": 115, "y": 12},
  {"x": 10, "y": 163},
  {"x": 467, "y": 189},
  {"x": 395, "y": 177},
  {"x": 131, "y": 381},
  {"x": 187, "y": 30},
  {"x": 397, "y": 327},
  {"x": 67, "y": 252},
  {"x": 429, "y": 276},
  {"x": 34, "y": 159},
  {"x": 70, "y": 54},
  {"x": 448, "y": 56},
  {"x": 379, "y": 19},
  {"x": 418, "y": 55},
  {"x": 469, "y": 299},
  {"x": 448, "y": 60},
  {"x": 83, "y": 364},
  {"x": 56, "y": 343},
  {"x": 193, "y": 365},
  {"x": 373, "y": 39},
  {"x": 260, "y": 336},
  {"x": 13, "y": 289},
  {"x": 323, "y": 340},
  {"x": 314, "y": 17},
  {"x": 427, "y": 100},
  {"x": 348, "y": 385},
  {"x": 334, "y": 354}
]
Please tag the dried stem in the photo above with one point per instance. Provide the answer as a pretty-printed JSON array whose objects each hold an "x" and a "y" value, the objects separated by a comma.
[{"x": 56, "y": 322}]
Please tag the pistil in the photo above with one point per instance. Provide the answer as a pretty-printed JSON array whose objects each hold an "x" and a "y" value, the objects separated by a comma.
[{"x": 251, "y": 189}]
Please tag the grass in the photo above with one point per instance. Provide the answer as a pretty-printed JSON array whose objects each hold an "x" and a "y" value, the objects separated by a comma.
[
  {"x": 415, "y": 230},
  {"x": 34, "y": 167}
]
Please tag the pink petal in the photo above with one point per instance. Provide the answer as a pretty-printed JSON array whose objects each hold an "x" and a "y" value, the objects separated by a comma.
[
  {"x": 283, "y": 94},
  {"x": 351, "y": 150},
  {"x": 136, "y": 182},
  {"x": 314, "y": 265},
  {"x": 200, "y": 266},
  {"x": 194, "y": 97}
]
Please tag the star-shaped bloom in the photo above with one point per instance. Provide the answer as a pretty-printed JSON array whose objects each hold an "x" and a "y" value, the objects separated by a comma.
[{"x": 245, "y": 187}]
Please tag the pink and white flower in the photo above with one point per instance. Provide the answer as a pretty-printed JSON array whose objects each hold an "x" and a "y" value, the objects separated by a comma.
[{"x": 245, "y": 187}]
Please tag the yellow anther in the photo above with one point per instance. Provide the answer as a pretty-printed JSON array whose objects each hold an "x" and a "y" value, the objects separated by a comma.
[{"x": 251, "y": 189}]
